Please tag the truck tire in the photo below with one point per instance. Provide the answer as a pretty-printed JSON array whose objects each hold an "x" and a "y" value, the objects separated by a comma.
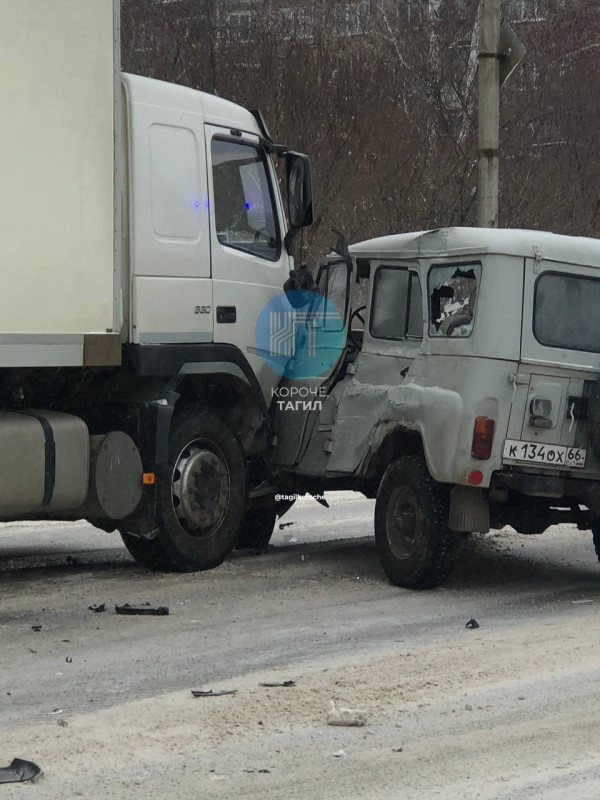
[
  {"x": 200, "y": 497},
  {"x": 593, "y": 415},
  {"x": 416, "y": 548},
  {"x": 148, "y": 552},
  {"x": 596, "y": 537},
  {"x": 256, "y": 529}
]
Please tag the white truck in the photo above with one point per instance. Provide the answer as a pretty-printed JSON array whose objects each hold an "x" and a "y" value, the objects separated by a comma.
[{"x": 143, "y": 231}]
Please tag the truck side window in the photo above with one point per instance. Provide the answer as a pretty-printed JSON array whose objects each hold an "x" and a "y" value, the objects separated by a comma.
[
  {"x": 397, "y": 310},
  {"x": 452, "y": 299},
  {"x": 244, "y": 202}
]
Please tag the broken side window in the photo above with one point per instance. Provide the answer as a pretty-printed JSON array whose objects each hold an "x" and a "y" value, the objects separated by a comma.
[{"x": 452, "y": 299}]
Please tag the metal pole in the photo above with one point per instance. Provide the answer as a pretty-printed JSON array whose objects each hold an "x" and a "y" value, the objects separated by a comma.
[{"x": 489, "y": 114}]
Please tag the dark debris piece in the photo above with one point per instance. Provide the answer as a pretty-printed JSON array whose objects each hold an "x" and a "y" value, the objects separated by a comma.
[
  {"x": 283, "y": 525},
  {"x": 69, "y": 659},
  {"x": 19, "y": 771},
  {"x": 98, "y": 608},
  {"x": 36, "y": 628},
  {"x": 212, "y": 692},
  {"x": 472, "y": 624},
  {"x": 145, "y": 610},
  {"x": 277, "y": 683}
]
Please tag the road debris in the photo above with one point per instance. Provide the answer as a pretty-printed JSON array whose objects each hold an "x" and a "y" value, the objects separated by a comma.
[
  {"x": 55, "y": 712},
  {"x": 581, "y": 602},
  {"x": 63, "y": 723},
  {"x": 283, "y": 525},
  {"x": 145, "y": 609},
  {"x": 275, "y": 684},
  {"x": 212, "y": 692},
  {"x": 98, "y": 609},
  {"x": 340, "y": 754},
  {"x": 468, "y": 707},
  {"x": 69, "y": 659},
  {"x": 397, "y": 749},
  {"x": 349, "y": 717},
  {"x": 36, "y": 628},
  {"x": 19, "y": 771},
  {"x": 472, "y": 624}
]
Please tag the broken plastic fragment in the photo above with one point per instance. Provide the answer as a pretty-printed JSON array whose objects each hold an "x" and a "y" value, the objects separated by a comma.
[
  {"x": 212, "y": 692},
  {"x": 19, "y": 771},
  {"x": 350, "y": 717},
  {"x": 472, "y": 624},
  {"x": 275, "y": 684},
  {"x": 340, "y": 754},
  {"x": 98, "y": 608},
  {"x": 145, "y": 609}
]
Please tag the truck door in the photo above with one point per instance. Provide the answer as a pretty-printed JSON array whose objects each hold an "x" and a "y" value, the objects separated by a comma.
[
  {"x": 559, "y": 365},
  {"x": 168, "y": 231},
  {"x": 249, "y": 262}
]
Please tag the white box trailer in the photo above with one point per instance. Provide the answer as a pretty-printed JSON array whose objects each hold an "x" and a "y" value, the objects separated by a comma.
[
  {"x": 59, "y": 81},
  {"x": 143, "y": 231}
]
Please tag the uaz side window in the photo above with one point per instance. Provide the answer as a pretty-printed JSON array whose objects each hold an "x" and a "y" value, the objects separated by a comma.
[
  {"x": 565, "y": 312},
  {"x": 397, "y": 310},
  {"x": 244, "y": 203}
]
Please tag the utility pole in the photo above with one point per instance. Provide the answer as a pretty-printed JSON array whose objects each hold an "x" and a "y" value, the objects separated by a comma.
[{"x": 489, "y": 114}]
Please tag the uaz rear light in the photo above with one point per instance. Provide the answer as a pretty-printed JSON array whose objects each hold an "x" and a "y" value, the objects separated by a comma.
[{"x": 483, "y": 438}]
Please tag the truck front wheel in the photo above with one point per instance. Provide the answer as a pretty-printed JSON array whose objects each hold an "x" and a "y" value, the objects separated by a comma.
[
  {"x": 415, "y": 546},
  {"x": 256, "y": 529},
  {"x": 200, "y": 497}
]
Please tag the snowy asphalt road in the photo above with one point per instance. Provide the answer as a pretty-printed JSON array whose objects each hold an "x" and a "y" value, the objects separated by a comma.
[{"x": 508, "y": 710}]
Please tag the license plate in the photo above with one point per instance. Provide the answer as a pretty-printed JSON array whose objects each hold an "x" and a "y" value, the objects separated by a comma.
[{"x": 553, "y": 455}]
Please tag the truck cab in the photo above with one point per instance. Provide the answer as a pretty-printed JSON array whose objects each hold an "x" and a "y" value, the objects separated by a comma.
[{"x": 143, "y": 232}]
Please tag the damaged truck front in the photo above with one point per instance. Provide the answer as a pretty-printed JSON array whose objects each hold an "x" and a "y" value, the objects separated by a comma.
[
  {"x": 465, "y": 396},
  {"x": 143, "y": 230}
]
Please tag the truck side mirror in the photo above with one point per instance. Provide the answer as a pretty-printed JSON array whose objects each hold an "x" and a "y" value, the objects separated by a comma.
[{"x": 300, "y": 190}]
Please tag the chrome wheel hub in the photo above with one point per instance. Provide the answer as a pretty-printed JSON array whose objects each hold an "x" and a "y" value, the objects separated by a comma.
[{"x": 200, "y": 489}]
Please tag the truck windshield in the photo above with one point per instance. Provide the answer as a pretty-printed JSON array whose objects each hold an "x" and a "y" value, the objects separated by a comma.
[
  {"x": 244, "y": 201},
  {"x": 566, "y": 312}
]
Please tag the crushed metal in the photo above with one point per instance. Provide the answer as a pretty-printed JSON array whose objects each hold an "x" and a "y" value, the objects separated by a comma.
[
  {"x": 145, "y": 609},
  {"x": 212, "y": 692},
  {"x": 276, "y": 684},
  {"x": 19, "y": 771}
]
